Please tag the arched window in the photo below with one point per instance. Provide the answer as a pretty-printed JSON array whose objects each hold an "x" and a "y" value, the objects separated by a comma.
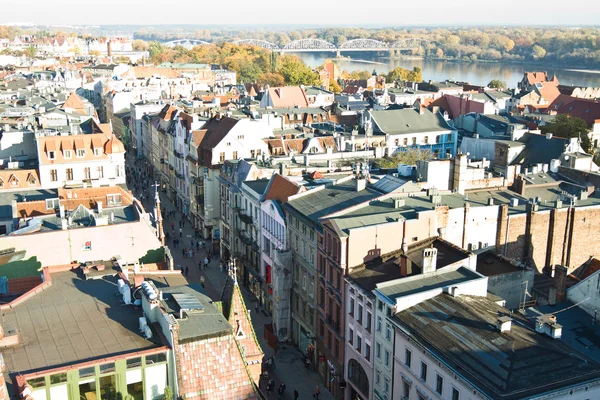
[{"x": 358, "y": 377}]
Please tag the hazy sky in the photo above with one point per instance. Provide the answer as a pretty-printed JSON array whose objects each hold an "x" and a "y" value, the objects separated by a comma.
[{"x": 305, "y": 12}]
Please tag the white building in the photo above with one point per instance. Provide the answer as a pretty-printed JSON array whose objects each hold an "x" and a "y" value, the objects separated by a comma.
[
  {"x": 97, "y": 159},
  {"x": 136, "y": 123}
]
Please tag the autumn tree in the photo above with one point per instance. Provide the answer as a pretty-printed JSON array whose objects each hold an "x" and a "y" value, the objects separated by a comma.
[
  {"x": 30, "y": 52},
  {"x": 538, "y": 52},
  {"x": 273, "y": 79},
  {"x": 139, "y": 45},
  {"x": 408, "y": 157},
  {"x": 335, "y": 87},
  {"x": 295, "y": 72},
  {"x": 509, "y": 45}
]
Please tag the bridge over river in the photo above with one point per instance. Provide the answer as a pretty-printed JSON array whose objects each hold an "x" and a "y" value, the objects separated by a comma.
[{"x": 317, "y": 45}]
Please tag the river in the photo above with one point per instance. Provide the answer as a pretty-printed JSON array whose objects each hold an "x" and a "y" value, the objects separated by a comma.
[{"x": 477, "y": 73}]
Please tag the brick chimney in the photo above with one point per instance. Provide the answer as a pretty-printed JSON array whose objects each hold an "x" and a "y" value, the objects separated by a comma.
[
  {"x": 108, "y": 48},
  {"x": 560, "y": 281}
]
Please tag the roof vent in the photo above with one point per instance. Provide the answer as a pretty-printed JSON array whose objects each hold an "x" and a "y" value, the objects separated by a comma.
[
  {"x": 503, "y": 324},
  {"x": 547, "y": 325}
]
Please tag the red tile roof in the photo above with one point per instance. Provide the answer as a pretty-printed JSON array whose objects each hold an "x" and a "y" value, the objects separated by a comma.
[
  {"x": 288, "y": 96},
  {"x": 586, "y": 109},
  {"x": 281, "y": 188},
  {"x": 75, "y": 103}
]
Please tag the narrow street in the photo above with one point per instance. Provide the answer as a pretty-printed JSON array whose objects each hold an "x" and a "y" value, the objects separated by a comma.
[{"x": 288, "y": 366}]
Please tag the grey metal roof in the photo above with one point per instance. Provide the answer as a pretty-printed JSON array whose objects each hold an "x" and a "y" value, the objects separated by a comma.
[
  {"x": 422, "y": 283},
  {"x": 408, "y": 121},
  {"x": 505, "y": 366},
  {"x": 72, "y": 321},
  {"x": 259, "y": 186},
  {"x": 538, "y": 149},
  {"x": 200, "y": 323},
  {"x": 330, "y": 199}
]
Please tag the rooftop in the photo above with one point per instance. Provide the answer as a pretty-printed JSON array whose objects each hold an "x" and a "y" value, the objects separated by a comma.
[
  {"x": 319, "y": 203},
  {"x": 511, "y": 365},
  {"x": 408, "y": 120},
  {"x": 423, "y": 283},
  {"x": 489, "y": 264},
  {"x": 199, "y": 323},
  {"x": 73, "y": 321}
]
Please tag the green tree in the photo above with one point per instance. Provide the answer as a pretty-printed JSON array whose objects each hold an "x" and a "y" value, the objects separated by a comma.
[
  {"x": 168, "y": 393},
  {"x": 409, "y": 157},
  {"x": 30, "y": 52},
  {"x": 538, "y": 52},
  {"x": 497, "y": 84},
  {"x": 565, "y": 126}
]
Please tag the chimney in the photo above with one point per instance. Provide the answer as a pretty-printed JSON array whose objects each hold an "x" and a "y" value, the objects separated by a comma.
[
  {"x": 99, "y": 207},
  {"x": 398, "y": 203},
  {"x": 491, "y": 201},
  {"x": 548, "y": 136},
  {"x": 429, "y": 260},
  {"x": 503, "y": 324},
  {"x": 547, "y": 325},
  {"x": 361, "y": 184},
  {"x": 108, "y": 49},
  {"x": 560, "y": 281},
  {"x": 61, "y": 211}
]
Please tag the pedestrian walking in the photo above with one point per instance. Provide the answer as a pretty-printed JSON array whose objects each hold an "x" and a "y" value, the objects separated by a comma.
[
  {"x": 202, "y": 283},
  {"x": 296, "y": 394},
  {"x": 180, "y": 232},
  {"x": 281, "y": 389},
  {"x": 205, "y": 263},
  {"x": 317, "y": 393},
  {"x": 187, "y": 271}
]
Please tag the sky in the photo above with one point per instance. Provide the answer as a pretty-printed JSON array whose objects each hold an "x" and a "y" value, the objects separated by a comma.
[{"x": 306, "y": 12}]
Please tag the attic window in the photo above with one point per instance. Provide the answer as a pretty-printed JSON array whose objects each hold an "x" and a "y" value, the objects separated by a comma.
[
  {"x": 14, "y": 181},
  {"x": 96, "y": 151},
  {"x": 113, "y": 200},
  {"x": 31, "y": 180},
  {"x": 51, "y": 155},
  {"x": 1, "y": 183},
  {"x": 80, "y": 152},
  {"x": 241, "y": 137},
  {"x": 228, "y": 143}
]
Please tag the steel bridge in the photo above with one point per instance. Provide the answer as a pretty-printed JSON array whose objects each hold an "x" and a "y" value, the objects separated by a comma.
[
  {"x": 318, "y": 45},
  {"x": 187, "y": 43}
]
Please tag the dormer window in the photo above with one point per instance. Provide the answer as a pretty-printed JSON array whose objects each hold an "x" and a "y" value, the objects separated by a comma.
[
  {"x": 51, "y": 155},
  {"x": 67, "y": 153},
  {"x": 97, "y": 152},
  {"x": 14, "y": 182},
  {"x": 80, "y": 152}
]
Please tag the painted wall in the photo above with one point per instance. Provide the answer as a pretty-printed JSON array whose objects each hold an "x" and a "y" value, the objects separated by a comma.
[{"x": 62, "y": 247}]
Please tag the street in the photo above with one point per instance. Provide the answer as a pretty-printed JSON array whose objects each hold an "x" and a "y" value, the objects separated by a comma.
[{"x": 288, "y": 365}]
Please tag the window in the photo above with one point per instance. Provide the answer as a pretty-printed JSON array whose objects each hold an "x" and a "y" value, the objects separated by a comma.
[
  {"x": 407, "y": 357},
  {"x": 360, "y": 313},
  {"x": 252, "y": 154},
  {"x": 351, "y": 312},
  {"x": 414, "y": 141},
  {"x": 100, "y": 172},
  {"x": 221, "y": 157},
  {"x": 53, "y": 175},
  {"x": 386, "y": 385},
  {"x": 350, "y": 335},
  {"x": 377, "y": 377},
  {"x": 405, "y": 141},
  {"x": 241, "y": 137},
  {"x": 87, "y": 173},
  {"x": 80, "y": 152},
  {"x": 51, "y": 155},
  {"x": 368, "y": 321},
  {"x": 156, "y": 358},
  {"x": 455, "y": 394},
  {"x": 97, "y": 152},
  {"x": 235, "y": 155},
  {"x": 368, "y": 351},
  {"x": 69, "y": 174},
  {"x": 52, "y": 204},
  {"x": 113, "y": 200},
  {"x": 304, "y": 281},
  {"x": 311, "y": 288},
  {"x": 439, "y": 384},
  {"x": 134, "y": 362},
  {"x": 386, "y": 359},
  {"x": 107, "y": 368},
  {"x": 67, "y": 153},
  {"x": 423, "y": 371},
  {"x": 388, "y": 332},
  {"x": 378, "y": 351},
  {"x": 426, "y": 139},
  {"x": 358, "y": 343},
  {"x": 117, "y": 171},
  {"x": 378, "y": 327}
]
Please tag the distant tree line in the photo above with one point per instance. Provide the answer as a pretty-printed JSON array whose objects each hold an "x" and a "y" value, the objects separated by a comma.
[{"x": 554, "y": 46}]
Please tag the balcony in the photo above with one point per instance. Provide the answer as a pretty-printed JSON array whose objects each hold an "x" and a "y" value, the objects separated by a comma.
[
  {"x": 178, "y": 154},
  {"x": 179, "y": 175}
]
